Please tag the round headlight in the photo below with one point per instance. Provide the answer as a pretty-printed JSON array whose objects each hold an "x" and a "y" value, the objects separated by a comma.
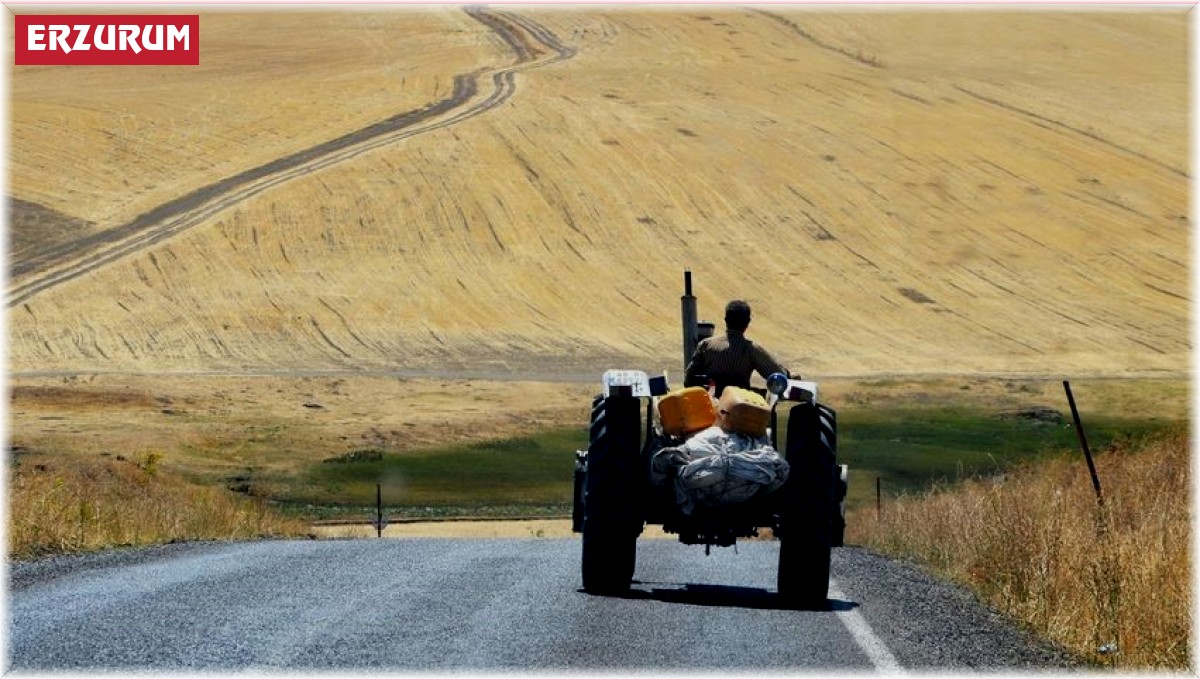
[{"x": 777, "y": 383}]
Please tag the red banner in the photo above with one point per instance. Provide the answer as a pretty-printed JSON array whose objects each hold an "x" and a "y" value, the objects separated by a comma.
[{"x": 107, "y": 40}]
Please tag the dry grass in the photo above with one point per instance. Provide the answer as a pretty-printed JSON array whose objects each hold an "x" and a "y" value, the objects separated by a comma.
[
  {"x": 1035, "y": 545},
  {"x": 265, "y": 430},
  {"x": 73, "y": 505}
]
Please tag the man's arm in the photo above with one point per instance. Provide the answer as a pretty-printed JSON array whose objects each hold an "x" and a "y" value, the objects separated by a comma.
[{"x": 765, "y": 364}]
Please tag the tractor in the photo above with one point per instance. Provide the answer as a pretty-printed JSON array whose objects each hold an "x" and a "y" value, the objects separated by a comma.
[{"x": 615, "y": 498}]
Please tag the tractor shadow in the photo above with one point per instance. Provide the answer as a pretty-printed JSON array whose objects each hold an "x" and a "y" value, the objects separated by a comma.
[{"x": 724, "y": 596}]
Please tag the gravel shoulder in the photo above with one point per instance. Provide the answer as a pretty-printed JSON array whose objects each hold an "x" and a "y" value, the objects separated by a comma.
[
  {"x": 905, "y": 599},
  {"x": 27, "y": 573}
]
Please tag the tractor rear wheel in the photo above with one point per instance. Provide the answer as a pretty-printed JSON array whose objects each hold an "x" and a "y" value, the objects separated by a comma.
[
  {"x": 806, "y": 533},
  {"x": 841, "y": 478},
  {"x": 611, "y": 496}
]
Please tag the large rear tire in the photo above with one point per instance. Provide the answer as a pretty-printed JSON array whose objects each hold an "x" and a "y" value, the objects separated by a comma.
[
  {"x": 841, "y": 479},
  {"x": 807, "y": 524},
  {"x": 611, "y": 501}
]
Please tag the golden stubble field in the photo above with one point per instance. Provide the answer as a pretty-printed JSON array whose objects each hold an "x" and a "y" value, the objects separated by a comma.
[{"x": 947, "y": 193}]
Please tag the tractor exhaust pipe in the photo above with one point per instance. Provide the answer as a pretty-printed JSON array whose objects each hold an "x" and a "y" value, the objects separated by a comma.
[{"x": 687, "y": 305}]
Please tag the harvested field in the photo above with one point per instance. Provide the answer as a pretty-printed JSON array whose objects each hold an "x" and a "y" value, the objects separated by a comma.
[{"x": 1009, "y": 198}]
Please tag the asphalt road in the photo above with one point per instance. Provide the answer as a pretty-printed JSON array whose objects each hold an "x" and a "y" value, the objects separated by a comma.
[{"x": 442, "y": 604}]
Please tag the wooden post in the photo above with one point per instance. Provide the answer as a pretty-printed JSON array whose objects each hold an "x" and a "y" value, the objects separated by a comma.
[
  {"x": 878, "y": 498},
  {"x": 379, "y": 510},
  {"x": 1087, "y": 452}
]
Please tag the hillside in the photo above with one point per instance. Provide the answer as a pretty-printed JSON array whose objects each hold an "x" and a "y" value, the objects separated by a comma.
[{"x": 895, "y": 193}]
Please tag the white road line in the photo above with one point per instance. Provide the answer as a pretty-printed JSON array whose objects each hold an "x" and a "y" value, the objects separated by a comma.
[{"x": 876, "y": 651}]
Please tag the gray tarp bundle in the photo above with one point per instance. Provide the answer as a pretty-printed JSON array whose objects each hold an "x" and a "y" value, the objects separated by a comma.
[{"x": 716, "y": 467}]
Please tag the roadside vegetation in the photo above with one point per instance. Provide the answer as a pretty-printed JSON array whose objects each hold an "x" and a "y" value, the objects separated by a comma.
[
  {"x": 525, "y": 476},
  {"x": 59, "y": 505},
  {"x": 1110, "y": 583},
  {"x": 907, "y": 448}
]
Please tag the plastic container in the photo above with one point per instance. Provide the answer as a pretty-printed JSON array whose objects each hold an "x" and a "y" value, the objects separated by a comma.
[
  {"x": 743, "y": 411},
  {"x": 686, "y": 411}
]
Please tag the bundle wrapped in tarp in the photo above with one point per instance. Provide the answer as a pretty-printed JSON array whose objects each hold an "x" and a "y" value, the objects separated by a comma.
[{"x": 716, "y": 467}]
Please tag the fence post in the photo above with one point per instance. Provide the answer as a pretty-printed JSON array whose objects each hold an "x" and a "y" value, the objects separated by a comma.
[
  {"x": 878, "y": 498},
  {"x": 1107, "y": 580},
  {"x": 379, "y": 510},
  {"x": 1087, "y": 452}
]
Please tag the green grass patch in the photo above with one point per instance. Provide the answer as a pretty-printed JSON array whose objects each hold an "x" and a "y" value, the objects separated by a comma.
[
  {"x": 528, "y": 472},
  {"x": 910, "y": 448},
  {"x": 907, "y": 447}
]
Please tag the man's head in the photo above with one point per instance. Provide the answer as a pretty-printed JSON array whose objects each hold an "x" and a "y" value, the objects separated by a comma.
[{"x": 737, "y": 315}]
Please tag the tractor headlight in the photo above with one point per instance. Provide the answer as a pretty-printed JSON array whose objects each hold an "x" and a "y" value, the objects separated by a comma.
[{"x": 777, "y": 383}]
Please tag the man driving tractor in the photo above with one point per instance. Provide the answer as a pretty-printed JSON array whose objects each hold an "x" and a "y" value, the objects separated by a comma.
[{"x": 729, "y": 360}]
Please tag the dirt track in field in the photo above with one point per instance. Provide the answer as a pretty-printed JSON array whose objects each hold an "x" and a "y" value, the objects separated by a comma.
[{"x": 70, "y": 259}]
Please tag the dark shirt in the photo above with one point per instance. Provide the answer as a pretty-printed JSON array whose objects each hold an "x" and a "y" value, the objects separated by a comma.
[{"x": 729, "y": 360}]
